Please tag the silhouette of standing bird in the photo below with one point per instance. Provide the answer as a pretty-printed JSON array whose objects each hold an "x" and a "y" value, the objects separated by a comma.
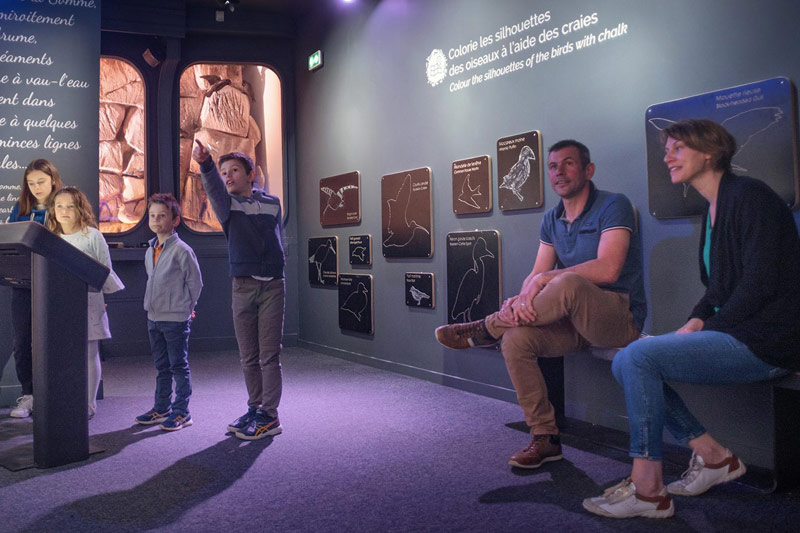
[
  {"x": 356, "y": 302},
  {"x": 519, "y": 173},
  {"x": 418, "y": 295},
  {"x": 319, "y": 257},
  {"x": 470, "y": 290}
]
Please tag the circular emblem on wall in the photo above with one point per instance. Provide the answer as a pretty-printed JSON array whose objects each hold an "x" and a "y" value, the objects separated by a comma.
[{"x": 436, "y": 67}]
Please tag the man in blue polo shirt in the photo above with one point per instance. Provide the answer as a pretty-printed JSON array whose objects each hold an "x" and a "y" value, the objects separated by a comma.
[{"x": 585, "y": 289}]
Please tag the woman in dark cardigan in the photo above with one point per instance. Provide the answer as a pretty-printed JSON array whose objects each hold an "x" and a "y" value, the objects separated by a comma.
[{"x": 744, "y": 329}]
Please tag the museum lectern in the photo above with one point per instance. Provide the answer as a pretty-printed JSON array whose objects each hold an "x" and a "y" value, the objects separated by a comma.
[{"x": 59, "y": 276}]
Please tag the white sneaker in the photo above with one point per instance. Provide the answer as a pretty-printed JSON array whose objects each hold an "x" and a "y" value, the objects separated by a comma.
[
  {"x": 24, "y": 407},
  {"x": 621, "y": 501},
  {"x": 700, "y": 477}
]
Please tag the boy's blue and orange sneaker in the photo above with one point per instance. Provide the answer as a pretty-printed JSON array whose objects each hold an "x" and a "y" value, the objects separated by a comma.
[
  {"x": 176, "y": 421},
  {"x": 260, "y": 427},
  {"x": 241, "y": 423},
  {"x": 153, "y": 417}
]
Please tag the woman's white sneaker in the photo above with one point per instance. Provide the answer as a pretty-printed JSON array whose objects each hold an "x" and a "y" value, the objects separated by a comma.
[
  {"x": 24, "y": 407},
  {"x": 621, "y": 501},
  {"x": 700, "y": 477}
]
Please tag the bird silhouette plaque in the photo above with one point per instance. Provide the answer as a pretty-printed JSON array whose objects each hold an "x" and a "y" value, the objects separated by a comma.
[
  {"x": 360, "y": 249},
  {"x": 473, "y": 275},
  {"x": 420, "y": 290},
  {"x": 761, "y": 117},
  {"x": 340, "y": 199},
  {"x": 472, "y": 185},
  {"x": 407, "y": 214},
  {"x": 355, "y": 303},
  {"x": 519, "y": 171},
  {"x": 323, "y": 261}
]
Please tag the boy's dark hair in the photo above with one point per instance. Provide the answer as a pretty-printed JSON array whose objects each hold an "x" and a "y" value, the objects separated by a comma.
[
  {"x": 705, "y": 136},
  {"x": 165, "y": 199},
  {"x": 243, "y": 158},
  {"x": 583, "y": 151}
]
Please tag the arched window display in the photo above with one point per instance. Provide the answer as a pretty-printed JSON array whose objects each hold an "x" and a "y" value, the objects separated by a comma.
[
  {"x": 123, "y": 189},
  {"x": 229, "y": 108}
]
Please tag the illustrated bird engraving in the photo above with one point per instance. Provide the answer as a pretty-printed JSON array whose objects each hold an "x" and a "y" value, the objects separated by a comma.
[
  {"x": 320, "y": 256},
  {"x": 743, "y": 126},
  {"x": 356, "y": 302},
  {"x": 399, "y": 229},
  {"x": 418, "y": 295},
  {"x": 468, "y": 194},
  {"x": 360, "y": 252},
  {"x": 335, "y": 198},
  {"x": 470, "y": 290},
  {"x": 519, "y": 173}
]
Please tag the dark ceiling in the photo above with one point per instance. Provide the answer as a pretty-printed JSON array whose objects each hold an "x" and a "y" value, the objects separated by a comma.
[{"x": 294, "y": 8}]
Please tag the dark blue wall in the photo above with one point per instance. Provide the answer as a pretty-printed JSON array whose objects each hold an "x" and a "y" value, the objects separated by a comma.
[{"x": 371, "y": 109}]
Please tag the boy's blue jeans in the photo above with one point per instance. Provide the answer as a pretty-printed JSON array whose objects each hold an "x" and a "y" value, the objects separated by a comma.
[
  {"x": 169, "y": 342},
  {"x": 703, "y": 357}
]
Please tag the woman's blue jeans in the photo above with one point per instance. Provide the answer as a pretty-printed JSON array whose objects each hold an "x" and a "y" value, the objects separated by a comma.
[{"x": 703, "y": 357}]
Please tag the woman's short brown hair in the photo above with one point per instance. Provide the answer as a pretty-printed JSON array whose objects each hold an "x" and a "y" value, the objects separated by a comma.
[{"x": 704, "y": 136}]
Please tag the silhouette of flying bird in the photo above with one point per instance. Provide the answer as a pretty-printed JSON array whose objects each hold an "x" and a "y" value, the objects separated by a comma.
[
  {"x": 418, "y": 295},
  {"x": 335, "y": 198},
  {"x": 360, "y": 252},
  {"x": 468, "y": 194},
  {"x": 519, "y": 173},
  {"x": 356, "y": 302},
  {"x": 470, "y": 290},
  {"x": 400, "y": 230},
  {"x": 321, "y": 254}
]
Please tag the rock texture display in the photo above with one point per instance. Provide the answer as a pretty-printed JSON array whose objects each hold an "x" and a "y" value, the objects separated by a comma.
[{"x": 123, "y": 190}]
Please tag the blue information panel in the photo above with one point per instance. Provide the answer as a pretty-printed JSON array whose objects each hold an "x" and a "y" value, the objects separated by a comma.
[{"x": 762, "y": 118}]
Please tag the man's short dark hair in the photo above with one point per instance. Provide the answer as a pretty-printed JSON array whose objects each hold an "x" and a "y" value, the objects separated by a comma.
[
  {"x": 583, "y": 151},
  {"x": 705, "y": 136},
  {"x": 167, "y": 200},
  {"x": 242, "y": 158}
]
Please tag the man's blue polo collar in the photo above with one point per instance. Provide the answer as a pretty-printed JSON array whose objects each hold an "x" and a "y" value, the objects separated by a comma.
[{"x": 586, "y": 208}]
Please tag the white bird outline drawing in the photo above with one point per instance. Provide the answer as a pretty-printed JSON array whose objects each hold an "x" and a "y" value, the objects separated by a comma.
[
  {"x": 335, "y": 198},
  {"x": 519, "y": 172},
  {"x": 395, "y": 226},
  {"x": 356, "y": 301},
  {"x": 740, "y": 126},
  {"x": 464, "y": 302},
  {"x": 418, "y": 295},
  {"x": 320, "y": 255},
  {"x": 468, "y": 194},
  {"x": 360, "y": 252}
]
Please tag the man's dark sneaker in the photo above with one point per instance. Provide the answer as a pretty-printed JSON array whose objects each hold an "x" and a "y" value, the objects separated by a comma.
[
  {"x": 152, "y": 417},
  {"x": 243, "y": 421},
  {"x": 460, "y": 336},
  {"x": 261, "y": 426},
  {"x": 176, "y": 421},
  {"x": 542, "y": 449}
]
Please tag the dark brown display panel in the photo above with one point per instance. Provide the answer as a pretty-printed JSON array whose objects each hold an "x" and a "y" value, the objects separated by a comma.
[
  {"x": 420, "y": 289},
  {"x": 323, "y": 263},
  {"x": 355, "y": 303},
  {"x": 407, "y": 214},
  {"x": 761, "y": 116},
  {"x": 473, "y": 275},
  {"x": 340, "y": 199},
  {"x": 519, "y": 171},
  {"x": 472, "y": 185},
  {"x": 360, "y": 247}
]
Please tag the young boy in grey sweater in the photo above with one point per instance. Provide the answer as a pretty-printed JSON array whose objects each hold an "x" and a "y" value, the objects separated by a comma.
[{"x": 173, "y": 287}]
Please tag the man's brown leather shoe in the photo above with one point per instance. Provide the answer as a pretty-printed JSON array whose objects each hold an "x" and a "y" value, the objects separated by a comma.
[
  {"x": 460, "y": 336},
  {"x": 542, "y": 449}
]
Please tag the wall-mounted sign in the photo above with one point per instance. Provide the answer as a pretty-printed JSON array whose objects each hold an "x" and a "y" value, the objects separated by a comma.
[
  {"x": 315, "y": 60},
  {"x": 360, "y": 249},
  {"x": 355, "y": 303},
  {"x": 473, "y": 275},
  {"x": 340, "y": 199},
  {"x": 519, "y": 171},
  {"x": 420, "y": 291},
  {"x": 407, "y": 214},
  {"x": 472, "y": 185},
  {"x": 323, "y": 263},
  {"x": 761, "y": 116}
]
